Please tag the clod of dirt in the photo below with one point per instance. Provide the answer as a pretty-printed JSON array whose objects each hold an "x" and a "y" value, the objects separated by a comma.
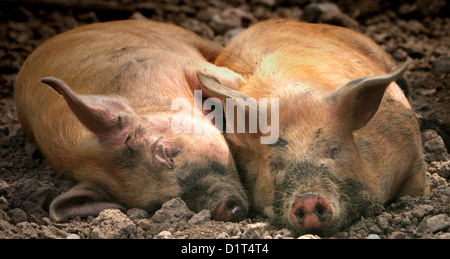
[
  {"x": 434, "y": 224},
  {"x": 112, "y": 224},
  {"x": 255, "y": 231},
  {"x": 328, "y": 13},
  {"x": 230, "y": 18},
  {"x": 434, "y": 147},
  {"x": 440, "y": 168},
  {"x": 173, "y": 211},
  {"x": 441, "y": 65}
]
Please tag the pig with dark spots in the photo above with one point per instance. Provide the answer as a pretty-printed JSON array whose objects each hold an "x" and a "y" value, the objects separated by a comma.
[
  {"x": 97, "y": 100},
  {"x": 346, "y": 138}
]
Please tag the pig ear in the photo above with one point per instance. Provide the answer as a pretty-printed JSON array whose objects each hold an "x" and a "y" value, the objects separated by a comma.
[
  {"x": 213, "y": 85},
  {"x": 214, "y": 88},
  {"x": 358, "y": 101},
  {"x": 242, "y": 102},
  {"x": 81, "y": 200},
  {"x": 224, "y": 76},
  {"x": 99, "y": 114}
]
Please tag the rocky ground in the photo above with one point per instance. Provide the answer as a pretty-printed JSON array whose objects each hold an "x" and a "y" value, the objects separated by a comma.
[{"x": 409, "y": 29}]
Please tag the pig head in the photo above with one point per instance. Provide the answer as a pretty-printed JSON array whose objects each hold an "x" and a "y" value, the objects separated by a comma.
[
  {"x": 347, "y": 137},
  {"x": 97, "y": 101}
]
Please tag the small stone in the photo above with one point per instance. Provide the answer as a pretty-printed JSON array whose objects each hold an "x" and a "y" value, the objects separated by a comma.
[
  {"x": 309, "y": 236},
  {"x": 413, "y": 47},
  {"x": 440, "y": 168},
  {"x": 284, "y": 233},
  {"x": 373, "y": 236},
  {"x": 201, "y": 217},
  {"x": 233, "y": 229},
  {"x": 445, "y": 236},
  {"x": 383, "y": 221},
  {"x": 441, "y": 65},
  {"x": 278, "y": 236},
  {"x": 397, "y": 235},
  {"x": 164, "y": 235},
  {"x": 230, "y": 18},
  {"x": 254, "y": 231},
  {"x": 376, "y": 230},
  {"x": 422, "y": 210},
  {"x": 434, "y": 146},
  {"x": 313, "y": 11},
  {"x": 328, "y": 13},
  {"x": 3, "y": 204},
  {"x": 233, "y": 33},
  {"x": 175, "y": 209},
  {"x": 434, "y": 224},
  {"x": 223, "y": 235},
  {"x": 46, "y": 233},
  {"x": 30, "y": 148},
  {"x": 268, "y": 3},
  {"x": 17, "y": 215},
  {"x": 4, "y": 226},
  {"x": 112, "y": 224},
  {"x": 138, "y": 16},
  {"x": 73, "y": 236},
  {"x": 4, "y": 187},
  {"x": 145, "y": 224}
]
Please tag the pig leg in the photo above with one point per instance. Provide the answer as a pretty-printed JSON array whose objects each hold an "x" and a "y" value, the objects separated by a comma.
[{"x": 414, "y": 185}]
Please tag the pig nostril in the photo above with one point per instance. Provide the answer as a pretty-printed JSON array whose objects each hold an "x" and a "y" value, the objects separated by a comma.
[
  {"x": 230, "y": 209},
  {"x": 300, "y": 215},
  {"x": 321, "y": 212},
  {"x": 234, "y": 210}
]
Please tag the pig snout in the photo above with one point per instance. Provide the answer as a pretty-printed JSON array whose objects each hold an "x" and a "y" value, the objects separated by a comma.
[
  {"x": 232, "y": 208},
  {"x": 215, "y": 187},
  {"x": 311, "y": 212}
]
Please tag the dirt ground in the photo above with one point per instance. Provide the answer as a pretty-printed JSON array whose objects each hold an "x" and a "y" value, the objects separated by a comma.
[{"x": 417, "y": 30}]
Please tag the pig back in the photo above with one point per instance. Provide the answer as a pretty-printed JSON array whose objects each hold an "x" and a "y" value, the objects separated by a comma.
[{"x": 321, "y": 57}]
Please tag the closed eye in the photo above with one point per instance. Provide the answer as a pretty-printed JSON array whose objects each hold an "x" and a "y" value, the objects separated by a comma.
[
  {"x": 281, "y": 142},
  {"x": 333, "y": 151}
]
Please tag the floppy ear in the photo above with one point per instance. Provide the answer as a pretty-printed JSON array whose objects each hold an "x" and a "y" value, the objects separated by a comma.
[
  {"x": 222, "y": 75},
  {"x": 250, "y": 119},
  {"x": 213, "y": 86},
  {"x": 82, "y": 200},
  {"x": 100, "y": 114},
  {"x": 245, "y": 104},
  {"x": 358, "y": 101}
]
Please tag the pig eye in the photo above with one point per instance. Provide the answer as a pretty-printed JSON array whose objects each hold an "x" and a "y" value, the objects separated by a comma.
[
  {"x": 275, "y": 166},
  {"x": 333, "y": 152}
]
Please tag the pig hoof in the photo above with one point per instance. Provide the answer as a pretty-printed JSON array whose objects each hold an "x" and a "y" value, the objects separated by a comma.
[
  {"x": 232, "y": 208},
  {"x": 311, "y": 212}
]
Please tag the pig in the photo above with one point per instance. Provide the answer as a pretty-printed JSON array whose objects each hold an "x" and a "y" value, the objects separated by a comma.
[
  {"x": 97, "y": 102},
  {"x": 347, "y": 141}
]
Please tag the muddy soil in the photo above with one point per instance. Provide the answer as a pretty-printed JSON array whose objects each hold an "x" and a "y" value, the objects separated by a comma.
[{"x": 417, "y": 30}]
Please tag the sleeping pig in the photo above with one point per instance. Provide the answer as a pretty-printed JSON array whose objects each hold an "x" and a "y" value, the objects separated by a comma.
[
  {"x": 344, "y": 136},
  {"x": 97, "y": 102}
]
